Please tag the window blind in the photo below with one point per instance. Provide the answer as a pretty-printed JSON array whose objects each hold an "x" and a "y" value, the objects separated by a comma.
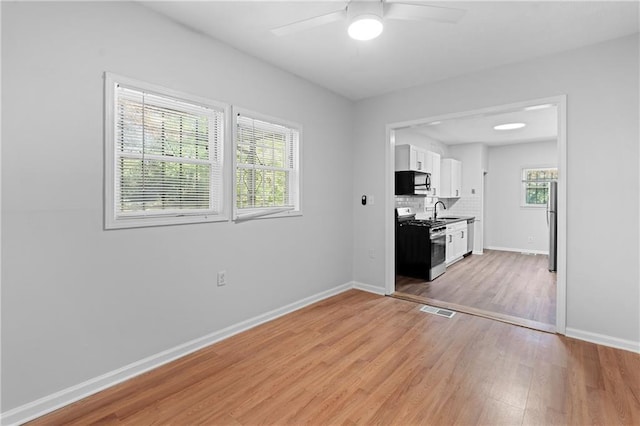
[
  {"x": 168, "y": 155},
  {"x": 267, "y": 172}
]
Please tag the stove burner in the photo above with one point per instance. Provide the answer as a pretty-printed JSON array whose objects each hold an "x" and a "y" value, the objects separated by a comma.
[{"x": 425, "y": 222}]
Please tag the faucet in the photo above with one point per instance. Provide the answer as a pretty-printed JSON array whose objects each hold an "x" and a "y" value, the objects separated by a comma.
[{"x": 435, "y": 209}]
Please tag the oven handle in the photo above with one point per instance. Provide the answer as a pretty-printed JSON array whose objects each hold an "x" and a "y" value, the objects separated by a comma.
[{"x": 438, "y": 234}]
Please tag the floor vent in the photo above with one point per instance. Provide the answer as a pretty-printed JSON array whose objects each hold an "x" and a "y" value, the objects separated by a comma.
[{"x": 437, "y": 311}]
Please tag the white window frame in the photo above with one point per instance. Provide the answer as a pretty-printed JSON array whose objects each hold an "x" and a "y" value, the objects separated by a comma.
[
  {"x": 523, "y": 186},
  {"x": 113, "y": 220},
  {"x": 268, "y": 212}
]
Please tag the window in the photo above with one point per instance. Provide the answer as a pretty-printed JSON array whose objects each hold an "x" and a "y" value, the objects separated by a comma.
[
  {"x": 267, "y": 181},
  {"x": 535, "y": 186},
  {"x": 164, "y": 156}
]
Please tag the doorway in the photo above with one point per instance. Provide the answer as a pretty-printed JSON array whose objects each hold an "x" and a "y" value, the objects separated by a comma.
[{"x": 513, "y": 274}]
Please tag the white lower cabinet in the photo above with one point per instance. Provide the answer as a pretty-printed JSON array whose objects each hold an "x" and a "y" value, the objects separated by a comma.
[{"x": 456, "y": 241}]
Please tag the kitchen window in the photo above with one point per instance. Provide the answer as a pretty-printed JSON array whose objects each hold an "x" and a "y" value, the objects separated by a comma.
[
  {"x": 164, "y": 156},
  {"x": 535, "y": 186},
  {"x": 267, "y": 168}
]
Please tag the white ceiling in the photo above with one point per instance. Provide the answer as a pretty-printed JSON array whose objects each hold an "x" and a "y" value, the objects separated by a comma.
[
  {"x": 408, "y": 53},
  {"x": 541, "y": 125}
]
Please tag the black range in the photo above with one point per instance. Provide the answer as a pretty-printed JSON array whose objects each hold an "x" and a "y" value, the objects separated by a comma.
[{"x": 420, "y": 245}]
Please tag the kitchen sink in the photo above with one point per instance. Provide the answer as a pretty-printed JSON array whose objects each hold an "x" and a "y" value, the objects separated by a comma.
[{"x": 450, "y": 218}]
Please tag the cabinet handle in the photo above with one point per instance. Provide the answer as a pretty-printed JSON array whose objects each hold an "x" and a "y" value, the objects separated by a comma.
[
  {"x": 450, "y": 238},
  {"x": 456, "y": 192},
  {"x": 462, "y": 234}
]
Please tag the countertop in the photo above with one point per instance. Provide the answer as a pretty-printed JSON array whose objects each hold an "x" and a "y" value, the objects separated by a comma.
[{"x": 455, "y": 219}]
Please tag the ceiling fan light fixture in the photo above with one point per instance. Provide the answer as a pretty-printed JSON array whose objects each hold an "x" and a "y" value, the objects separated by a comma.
[{"x": 365, "y": 27}]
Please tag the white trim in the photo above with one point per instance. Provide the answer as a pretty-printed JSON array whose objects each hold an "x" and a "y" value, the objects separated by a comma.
[
  {"x": 561, "y": 277},
  {"x": 368, "y": 288},
  {"x": 602, "y": 339},
  {"x": 561, "y": 274},
  {"x": 297, "y": 170},
  {"x": 523, "y": 191},
  {"x": 389, "y": 212},
  {"x": 49, "y": 403},
  {"x": 518, "y": 250},
  {"x": 478, "y": 252},
  {"x": 111, "y": 221},
  {"x": 52, "y": 402}
]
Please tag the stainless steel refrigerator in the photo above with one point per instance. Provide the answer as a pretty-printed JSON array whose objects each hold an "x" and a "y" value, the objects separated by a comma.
[{"x": 552, "y": 222}]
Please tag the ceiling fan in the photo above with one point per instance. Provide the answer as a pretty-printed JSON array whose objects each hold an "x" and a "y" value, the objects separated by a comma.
[{"x": 365, "y": 17}]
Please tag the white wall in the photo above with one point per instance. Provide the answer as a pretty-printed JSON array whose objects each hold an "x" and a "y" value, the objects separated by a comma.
[
  {"x": 601, "y": 84},
  {"x": 509, "y": 225},
  {"x": 78, "y": 301}
]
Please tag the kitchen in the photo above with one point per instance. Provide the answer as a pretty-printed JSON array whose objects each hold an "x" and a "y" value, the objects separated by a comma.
[{"x": 484, "y": 220}]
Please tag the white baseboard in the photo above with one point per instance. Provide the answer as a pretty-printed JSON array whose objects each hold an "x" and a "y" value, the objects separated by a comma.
[
  {"x": 49, "y": 403},
  {"x": 368, "y": 288},
  {"x": 518, "y": 250},
  {"x": 479, "y": 252},
  {"x": 601, "y": 339}
]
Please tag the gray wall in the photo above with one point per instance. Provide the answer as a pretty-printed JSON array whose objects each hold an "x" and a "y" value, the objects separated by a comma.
[
  {"x": 601, "y": 84},
  {"x": 78, "y": 301},
  {"x": 509, "y": 225}
]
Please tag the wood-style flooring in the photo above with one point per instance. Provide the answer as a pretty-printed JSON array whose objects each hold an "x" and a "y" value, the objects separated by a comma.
[
  {"x": 506, "y": 283},
  {"x": 359, "y": 358}
]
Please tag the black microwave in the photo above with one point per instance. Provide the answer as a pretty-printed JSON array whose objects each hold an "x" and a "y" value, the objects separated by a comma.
[{"x": 412, "y": 183}]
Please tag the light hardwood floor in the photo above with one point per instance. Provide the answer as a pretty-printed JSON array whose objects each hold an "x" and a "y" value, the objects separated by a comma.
[
  {"x": 503, "y": 282},
  {"x": 359, "y": 358}
]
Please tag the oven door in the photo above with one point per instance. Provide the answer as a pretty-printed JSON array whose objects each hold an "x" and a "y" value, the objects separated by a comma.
[{"x": 438, "y": 241}]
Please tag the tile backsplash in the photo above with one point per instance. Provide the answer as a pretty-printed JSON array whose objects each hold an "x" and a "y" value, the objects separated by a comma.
[
  {"x": 423, "y": 206},
  {"x": 470, "y": 205}
]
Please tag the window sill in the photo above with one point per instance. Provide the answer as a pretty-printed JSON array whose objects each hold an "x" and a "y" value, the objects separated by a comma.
[
  {"x": 238, "y": 216},
  {"x": 145, "y": 222}
]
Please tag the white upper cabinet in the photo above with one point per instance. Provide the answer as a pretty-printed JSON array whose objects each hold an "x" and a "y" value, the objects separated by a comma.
[
  {"x": 410, "y": 157},
  {"x": 433, "y": 167},
  {"x": 450, "y": 178}
]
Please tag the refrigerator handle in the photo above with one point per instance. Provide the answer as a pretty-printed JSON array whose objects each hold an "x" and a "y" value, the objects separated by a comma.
[
  {"x": 548, "y": 207},
  {"x": 547, "y": 216}
]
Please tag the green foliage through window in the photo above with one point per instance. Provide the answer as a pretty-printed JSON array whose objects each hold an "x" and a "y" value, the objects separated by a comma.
[
  {"x": 266, "y": 172},
  {"x": 167, "y": 154},
  {"x": 536, "y": 185}
]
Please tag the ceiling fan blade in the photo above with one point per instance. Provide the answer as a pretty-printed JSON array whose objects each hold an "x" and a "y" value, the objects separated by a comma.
[
  {"x": 306, "y": 24},
  {"x": 420, "y": 12}
]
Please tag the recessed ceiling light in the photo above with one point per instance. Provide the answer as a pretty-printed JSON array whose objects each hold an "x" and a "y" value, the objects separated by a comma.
[
  {"x": 535, "y": 107},
  {"x": 365, "y": 27},
  {"x": 434, "y": 123},
  {"x": 509, "y": 126}
]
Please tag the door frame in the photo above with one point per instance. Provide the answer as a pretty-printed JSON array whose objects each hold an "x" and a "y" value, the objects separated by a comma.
[{"x": 561, "y": 274}]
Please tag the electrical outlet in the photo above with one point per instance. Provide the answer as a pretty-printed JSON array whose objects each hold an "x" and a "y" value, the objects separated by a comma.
[
  {"x": 372, "y": 253},
  {"x": 530, "y": 239},
  {"x": 222, "y": 278}
]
